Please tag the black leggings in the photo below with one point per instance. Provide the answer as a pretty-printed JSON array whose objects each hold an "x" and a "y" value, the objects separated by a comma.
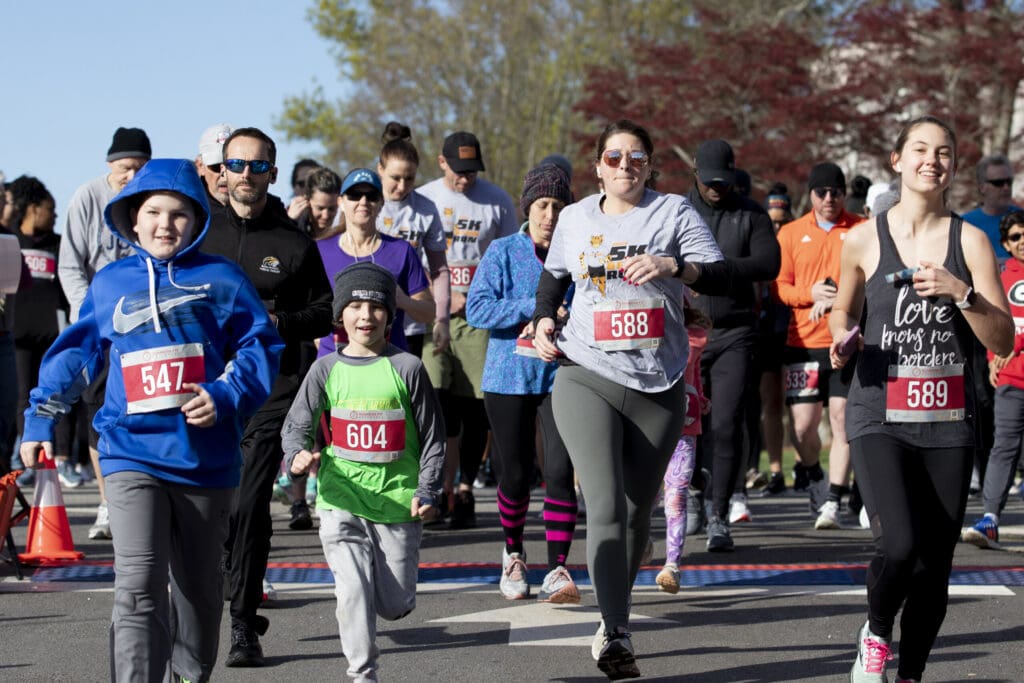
[
  {"x": 915, "y": 498},
  {"x": 466, "y": 416}
]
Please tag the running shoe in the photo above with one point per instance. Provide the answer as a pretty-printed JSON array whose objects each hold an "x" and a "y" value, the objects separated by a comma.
[
  {"x": 616, "y": 658},
  {"x": 513, "y": 584},
  {"x": 245, "y": 647},
  {"x": 738, "y": 510},
  {"x": 756, "y": 479},
  {"x": 27, "y": 479},
  {"x": 85, "y": 471},
  {"x": 865, "y": 522},
  {"x": 311, "y": 490},
  {"x": 648, "y": 553},
  {"x": 559, "y": 588},
  {"x": 817, "y": 493},
  {"x": 872, "y": 654},
  {"x": 828, "y": 516},
  {"x": 668, "y": 578},
  {"x": 597, "y": 644},
  {"x": 719, "y": 536},
  {"x": 269, "y": 592},
  {"x": 301, "y": 519},
  {"x": 69, "y": 478},
  {"x": 800, "y": 479},
  {"x": 695, "y": 517},
  {"x": 101, "y": 527},
  {"x": 282, "y": 488},
  {"x": 775, "y": 486},
  {"x": 464, "y": 512},
  {"x": 984, "y": 533}
]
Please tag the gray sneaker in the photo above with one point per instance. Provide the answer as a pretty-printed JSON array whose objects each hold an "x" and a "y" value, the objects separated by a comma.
[
  {"x": 872, "y": 654},
  {"x": 695, "y": 516},
  {"x": 719, "y": 536},
  {"x": 616, "y": 658},
  {"x": 513, "y": 584},
  {"x": 69, "y": 478}
]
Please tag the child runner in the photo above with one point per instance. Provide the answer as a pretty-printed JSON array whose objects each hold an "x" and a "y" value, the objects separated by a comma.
[
  {"x": 680, "y": 467},
  {"x": 192, "y": 353},
  {"x": 380, "y": 473}
]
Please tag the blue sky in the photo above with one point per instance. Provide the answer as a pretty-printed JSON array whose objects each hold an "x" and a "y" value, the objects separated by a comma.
[{"x": 75, "y": 71}]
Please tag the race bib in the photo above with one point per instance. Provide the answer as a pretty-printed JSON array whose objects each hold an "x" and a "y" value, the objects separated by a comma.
[
  {"x": 622, "y": 325},
  {"x": 802, "y": 379},
  {"x": 925, "y": 394},
  {"x": 42, "y": 264},
  {"x": 376, "y": 436},
  {"x": 154, "y": 378},
  {"x": 462, "y": 273}
]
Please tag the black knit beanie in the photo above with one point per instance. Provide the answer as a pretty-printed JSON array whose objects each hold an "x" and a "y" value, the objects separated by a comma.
[
  {"x": 129, "y": 143},
  {"x": 547, "y": 180},
  {"x": 364, "y": 281}
]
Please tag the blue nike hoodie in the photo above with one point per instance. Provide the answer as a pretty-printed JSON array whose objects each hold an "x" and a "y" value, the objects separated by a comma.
[{"x": 190, "y": 318}]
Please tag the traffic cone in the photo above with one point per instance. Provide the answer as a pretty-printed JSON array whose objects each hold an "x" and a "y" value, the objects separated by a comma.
[{"x": 49, "y": 533}]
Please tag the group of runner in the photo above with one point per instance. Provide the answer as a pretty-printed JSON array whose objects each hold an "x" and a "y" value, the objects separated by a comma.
[{"x": 577, "y": 327}]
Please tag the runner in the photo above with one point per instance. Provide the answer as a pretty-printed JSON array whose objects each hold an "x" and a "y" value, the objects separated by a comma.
[
  {"x": 517, "y": 389},
  {"x": 620, "y": 405},
  {"x": 928, "y": 283},
  {"x": 411, "y": 216},
  {"x": 381, "y": 473},
  {"x": 192, "y": 354}
]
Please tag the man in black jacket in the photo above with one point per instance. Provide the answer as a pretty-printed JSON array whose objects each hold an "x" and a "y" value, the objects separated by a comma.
[
  {"x": 744, "y": 234},
  {"x": 254, "y": 231}
]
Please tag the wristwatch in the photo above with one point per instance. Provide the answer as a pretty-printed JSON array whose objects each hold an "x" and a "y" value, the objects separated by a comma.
[
  {"x": 968, "y": 301},
  {"x": 680, "y": 266}
]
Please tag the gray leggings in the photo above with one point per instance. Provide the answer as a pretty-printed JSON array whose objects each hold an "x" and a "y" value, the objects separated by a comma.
[
  {"x": 1002, "y": 460},
  {"x": 620, "y": 441},
  {"x": 159, "y": 526}
]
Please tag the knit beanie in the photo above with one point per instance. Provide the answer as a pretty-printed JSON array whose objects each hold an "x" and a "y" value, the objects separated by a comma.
[
  {"x": 826, "y": 174},
  {"x": 545, "y": 181},
  {"x": 129, "y": 143},
  {"x": 364, "y": 281}
]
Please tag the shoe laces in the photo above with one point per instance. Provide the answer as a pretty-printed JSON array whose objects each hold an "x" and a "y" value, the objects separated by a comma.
[
  {"x": 875, "y": 655},
  {"x": 243, "y": 635},
  {"x": 516, "y": 569}
]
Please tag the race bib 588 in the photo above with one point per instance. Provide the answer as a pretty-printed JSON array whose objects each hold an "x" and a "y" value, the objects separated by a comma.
[{"x": 622, "y": 325}]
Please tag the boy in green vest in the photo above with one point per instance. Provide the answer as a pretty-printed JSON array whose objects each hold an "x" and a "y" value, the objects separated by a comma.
[{"x": 380, "y": 467}]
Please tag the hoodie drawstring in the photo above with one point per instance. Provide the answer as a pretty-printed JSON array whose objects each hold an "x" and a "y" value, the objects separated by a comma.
[{"x": 170, "y": 278}]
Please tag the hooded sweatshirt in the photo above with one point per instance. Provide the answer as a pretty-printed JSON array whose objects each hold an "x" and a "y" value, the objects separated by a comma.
[
  {"x": 190, "y": 318},
  {"x": 1013, "y": 285}
]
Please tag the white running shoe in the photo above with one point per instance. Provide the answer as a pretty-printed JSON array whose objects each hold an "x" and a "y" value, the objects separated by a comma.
[
  {"x": 738, "y": 510},
  {"x": 668, "y": 578},
  {"x": 513, "y": 584},
  {"x": 865, "y": 523},
  {"x": 269, "y": 592},
  {"x": 828, "y": 516},
  {"x": 101, "y": 527},
  {"x": 559, "y": 588},
  {"x": 872, "y": 654}
]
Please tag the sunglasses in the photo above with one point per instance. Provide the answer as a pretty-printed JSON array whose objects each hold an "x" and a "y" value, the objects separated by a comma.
[
  {"x": 823, "y": 192},
  {"x": 355, "y": 195},
  {"x": 1013, "y": 238},
  {"x": 613, "y": 157},
  {"x": 1000, "y": 182},
  {"x": 257, "y": 166},
  {"x": 216, "y": 168}
]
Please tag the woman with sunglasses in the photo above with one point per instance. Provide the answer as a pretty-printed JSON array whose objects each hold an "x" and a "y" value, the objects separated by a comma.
[
  {"x": 412, "y": 217},
  {"x": 620, "y": 405},
  {"x": 928, "y": 285},
  {"x": 361, "y": 201}
]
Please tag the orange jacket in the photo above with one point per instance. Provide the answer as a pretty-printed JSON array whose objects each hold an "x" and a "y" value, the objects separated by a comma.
[{"x": 809, "y": 255}]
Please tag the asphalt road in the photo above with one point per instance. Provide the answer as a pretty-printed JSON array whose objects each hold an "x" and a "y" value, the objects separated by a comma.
[{"x": 784, "y": 607}]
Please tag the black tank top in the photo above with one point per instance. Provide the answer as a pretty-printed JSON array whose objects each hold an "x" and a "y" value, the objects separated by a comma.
[{"x": 913, "y": 380}]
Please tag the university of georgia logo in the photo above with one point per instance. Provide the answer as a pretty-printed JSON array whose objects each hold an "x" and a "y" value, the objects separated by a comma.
[
  {"x": 271, "y": 264},
  {"x": 1016, "y": 293}
]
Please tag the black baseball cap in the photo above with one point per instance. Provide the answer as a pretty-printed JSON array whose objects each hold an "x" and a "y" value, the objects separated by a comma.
[
  {"x": 462, "y": 152},
  {"x": 715, "y": 163}
]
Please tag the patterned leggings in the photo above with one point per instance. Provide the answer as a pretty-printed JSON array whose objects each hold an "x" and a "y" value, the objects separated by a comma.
[{"x": 677, "y": 481}]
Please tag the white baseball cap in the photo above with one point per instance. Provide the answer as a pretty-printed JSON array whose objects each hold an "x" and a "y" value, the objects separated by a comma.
[{"x": 211, "y": 143}]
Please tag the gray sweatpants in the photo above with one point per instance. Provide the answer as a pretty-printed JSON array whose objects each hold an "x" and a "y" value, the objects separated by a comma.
[
  {"x": 620, "y": 441},
  {"x": 375, "y": 567},
  {"x": 1006, "y": 445},
  {"x": 158, "y": 525}
]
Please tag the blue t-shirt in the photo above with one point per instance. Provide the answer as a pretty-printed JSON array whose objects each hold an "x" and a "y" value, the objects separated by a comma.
[{"x": 990, "y": 226}]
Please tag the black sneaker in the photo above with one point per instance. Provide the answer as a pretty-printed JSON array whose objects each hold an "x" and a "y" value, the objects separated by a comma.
[
  {"x": 301, "y": 519},
  {"x": 616, "y": 658},
  {"x": 800, "y": 479},
  {"x": 245, "y": 647},
  {"x": 775, "y": 486},
  {"x": 464, "y": 513}
]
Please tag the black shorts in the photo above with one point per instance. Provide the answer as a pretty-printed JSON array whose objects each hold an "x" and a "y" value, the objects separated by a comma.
[{"x": 809, "y": 378}]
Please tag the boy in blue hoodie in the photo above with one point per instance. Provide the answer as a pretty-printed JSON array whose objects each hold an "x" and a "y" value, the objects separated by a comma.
[{"x": 192, "y": 353}]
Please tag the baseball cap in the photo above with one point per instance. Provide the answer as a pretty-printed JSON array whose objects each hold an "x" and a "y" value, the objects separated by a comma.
[
  {"x": 715, "y": 163},
  {"x": 462, "y": 152},
  {"x": 826, "y": 174},
  {"x": 361, "y": 176},
  {"x": 211, "y": 143}
]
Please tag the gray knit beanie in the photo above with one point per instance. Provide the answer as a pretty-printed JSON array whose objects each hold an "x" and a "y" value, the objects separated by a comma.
[
  {"x": 364, "y": 281},
  {"x": 545, "y": 181}
]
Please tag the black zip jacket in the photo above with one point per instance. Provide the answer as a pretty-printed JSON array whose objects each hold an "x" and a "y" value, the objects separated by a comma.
[
  {"x": 285, "y": 267},
  {"x": 745, "y": 234}
]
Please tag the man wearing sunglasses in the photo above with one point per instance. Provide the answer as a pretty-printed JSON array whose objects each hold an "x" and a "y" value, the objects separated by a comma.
[
  {"x": 210, "y": 163},
  {"x": 474, "y": 212},
  {"x": 995, "y": 185},
  {"x": 284, "y": 265},
  {"x": 808, "y": 283},
  {"x": 746, "y": 237}
]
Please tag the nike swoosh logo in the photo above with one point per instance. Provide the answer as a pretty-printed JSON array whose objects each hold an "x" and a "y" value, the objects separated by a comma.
[{"x": 126, "y": 322}]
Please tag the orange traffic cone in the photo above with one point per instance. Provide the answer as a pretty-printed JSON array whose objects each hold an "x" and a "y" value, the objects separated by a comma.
[{"x": 49, "y": 533}]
